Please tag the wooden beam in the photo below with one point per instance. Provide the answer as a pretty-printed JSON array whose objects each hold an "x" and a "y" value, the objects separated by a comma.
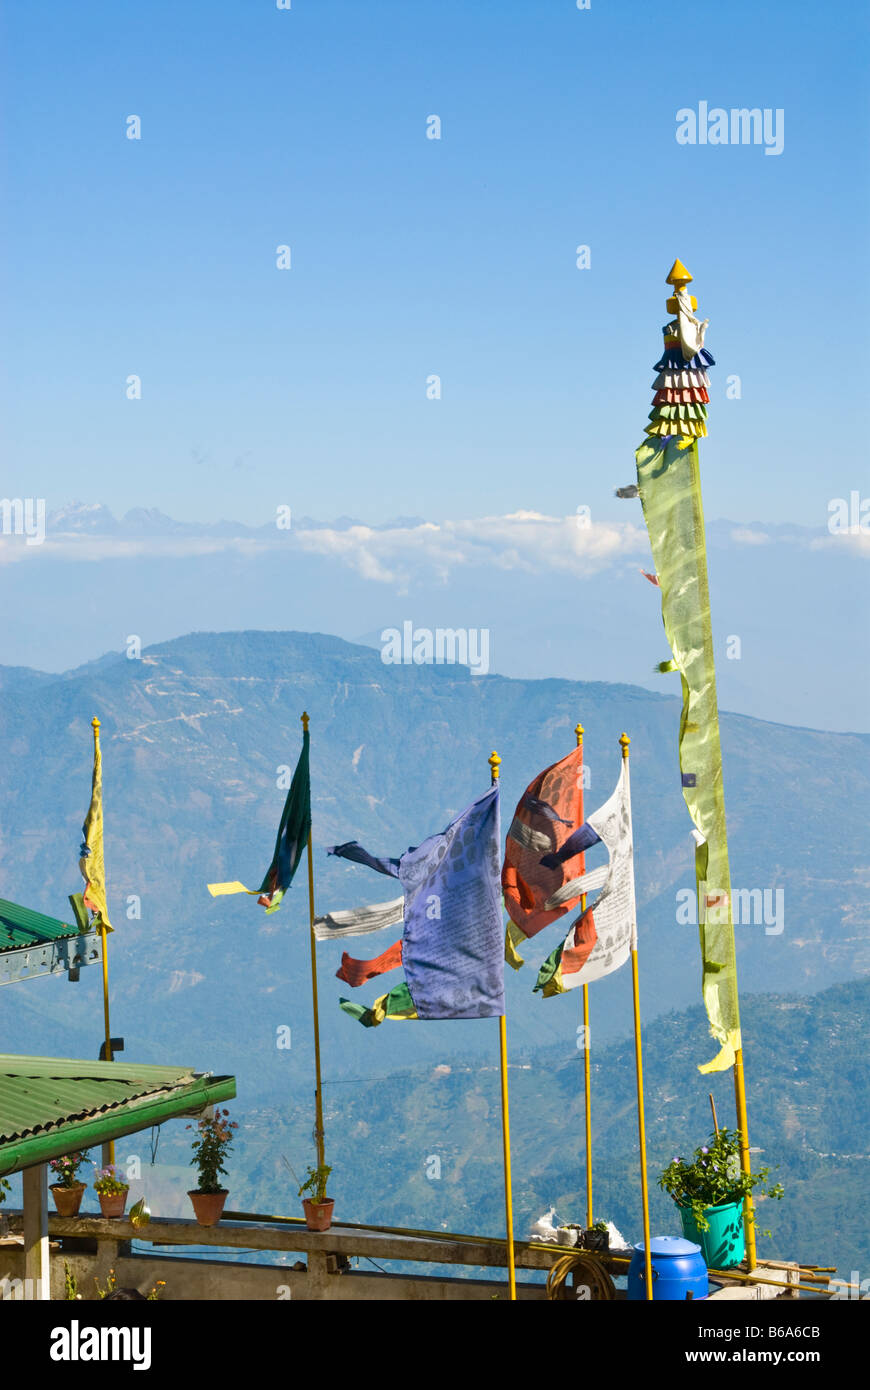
[
  {"x": 37, "y": 1274},
  {"x": 250, "y": 1235}
]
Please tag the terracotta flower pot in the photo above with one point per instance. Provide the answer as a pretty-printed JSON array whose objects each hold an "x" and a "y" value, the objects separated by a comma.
[
  {"x": 112, "y": 1204},
  {"x": 67, "y": 1200},
  {"x": 318, "y": 1215},
  {"x": 208, "y": 1206}
]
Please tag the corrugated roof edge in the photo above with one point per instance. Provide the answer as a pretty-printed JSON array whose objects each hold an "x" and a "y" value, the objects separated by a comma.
[
  {"x": 127, "y": 1117},
  {"x": 27, "y": 920},
  {"x": 14, "y": 1064}
]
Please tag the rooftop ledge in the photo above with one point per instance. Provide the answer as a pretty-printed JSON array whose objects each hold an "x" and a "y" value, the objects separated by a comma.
[{"x": 92, "y": 1245}]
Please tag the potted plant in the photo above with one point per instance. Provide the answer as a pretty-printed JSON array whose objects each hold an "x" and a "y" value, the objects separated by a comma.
[
  {"x": 210, "y": 1148},
  {"x": 66, "y": 1189},
  {"x": 112, "y": 1191},
  {"x": 709, "y": 1190},
  {"x": 318, "y": 1207},
  {"x": 596, "y": 1237}
]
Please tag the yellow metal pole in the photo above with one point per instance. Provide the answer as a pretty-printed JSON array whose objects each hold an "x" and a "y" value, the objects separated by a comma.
[
  {"x": 104, "y": 942},
  {"x": 318, "y": 1092},
  {"x": 587, "y": 1061},
  {"x": 494, "y": 763},
  {"x": 624, "y": 741},
  {"x": 743, "y": 1126}
]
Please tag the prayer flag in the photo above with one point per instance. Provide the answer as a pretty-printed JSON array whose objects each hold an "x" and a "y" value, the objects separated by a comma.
[
  {"x": 293, "y": 832},
  {"x": 588, "y": 954},
  {"x": 451, "y": 945}
]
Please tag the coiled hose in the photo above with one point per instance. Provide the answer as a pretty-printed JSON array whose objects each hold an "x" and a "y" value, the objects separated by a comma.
[{"x": 591, "y": 1272}]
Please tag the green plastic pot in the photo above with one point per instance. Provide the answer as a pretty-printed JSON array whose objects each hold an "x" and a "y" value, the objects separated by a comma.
[{"x": 723, "y": 1245}]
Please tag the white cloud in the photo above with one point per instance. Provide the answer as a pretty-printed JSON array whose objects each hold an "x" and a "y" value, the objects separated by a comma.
[
  {"x": 520, "y": 541},
  {"x": 395, "y": 555},
  {"x": 742, "y": 535},
  {"x": 848, "y": 542}
]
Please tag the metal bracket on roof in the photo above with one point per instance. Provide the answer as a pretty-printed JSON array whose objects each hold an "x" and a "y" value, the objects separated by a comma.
[{"x": 51, "y": 958}]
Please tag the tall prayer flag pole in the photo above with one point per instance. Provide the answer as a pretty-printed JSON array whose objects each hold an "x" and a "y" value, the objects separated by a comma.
[
  {"x": 494, "y": 763},
  {"x": 624, "y": 741},
  {"x": 318, "y": 1092},
  {"x": 669, "y": 484},
  {"x": 93, "y": 868},
  {"x": 587, "y": 1065}
]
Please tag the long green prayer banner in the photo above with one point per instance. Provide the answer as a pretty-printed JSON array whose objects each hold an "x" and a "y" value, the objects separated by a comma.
[{"x": 670, "y": 491}]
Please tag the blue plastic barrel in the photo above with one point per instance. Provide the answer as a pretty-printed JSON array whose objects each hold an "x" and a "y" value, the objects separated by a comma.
[{"x": 677, "y": 1269}]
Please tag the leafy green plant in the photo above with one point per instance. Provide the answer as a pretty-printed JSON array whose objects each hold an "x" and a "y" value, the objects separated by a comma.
[
  {"x": 210, "y": 1147},
  {"x": 108, "y": 1184},
  {"x": 315, "y": 1183},
  {"x": 4, "y": 1188},
  {"x": 66, "y": 1168},
  {"x": 714, "y": 1176},
  {"x": 70, "y": 1283}
]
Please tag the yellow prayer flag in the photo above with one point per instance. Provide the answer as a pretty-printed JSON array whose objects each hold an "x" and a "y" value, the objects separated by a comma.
[{"x": 91, "y": 862}]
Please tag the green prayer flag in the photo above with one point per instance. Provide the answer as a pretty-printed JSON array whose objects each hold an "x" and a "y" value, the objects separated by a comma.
[
  {"x": 397, "y": 1004},
  {"x": 670, "y": 491},
  {"x": 293, "y": 832}
]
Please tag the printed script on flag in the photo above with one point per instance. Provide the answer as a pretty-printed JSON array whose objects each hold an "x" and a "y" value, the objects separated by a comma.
[
  {"x": 451, "y": 945},
  {"x": 585, "y": 956}
]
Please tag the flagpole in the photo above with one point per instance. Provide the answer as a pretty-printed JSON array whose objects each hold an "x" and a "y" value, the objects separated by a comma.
[
  {"x": 494, "y": 762},
  {"x": 739, "y": 1078},
  {"x": 679, "y": 277},
  {"x": 743, "y": 1126},
  {"x": 587, "y": 1062},
  {"x": 104, "y": 942},
  {"x": 318, "y": 1092},
  {"x": 624, "y": 741}
]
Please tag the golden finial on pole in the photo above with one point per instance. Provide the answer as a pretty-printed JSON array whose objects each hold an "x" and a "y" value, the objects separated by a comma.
[
  {"x": 679, "y": 277},
  {"x": 578, "y": 734},
  {"x": 494, "y": 763},
  {"x": 304, "y": 717},
  {"x": 624, "y": 741}
]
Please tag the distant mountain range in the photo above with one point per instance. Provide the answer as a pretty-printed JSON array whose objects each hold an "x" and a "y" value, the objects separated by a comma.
[
  {"x": 555, "y": 597},
  {"x": 96, "y": 519},
  {"x": 194, "y": 734}
]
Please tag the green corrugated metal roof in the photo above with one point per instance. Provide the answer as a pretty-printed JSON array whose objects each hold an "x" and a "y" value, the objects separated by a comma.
[
  {"x": 51, "y": 1105},
  {"x": 21, "y": 926}
]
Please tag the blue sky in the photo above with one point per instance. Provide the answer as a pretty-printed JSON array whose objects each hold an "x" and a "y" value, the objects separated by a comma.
[{"x": 410, "y": 257}]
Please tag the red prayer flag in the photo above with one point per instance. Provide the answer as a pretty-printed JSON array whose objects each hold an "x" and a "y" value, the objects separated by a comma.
[{"x": 549, "y": 811}]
